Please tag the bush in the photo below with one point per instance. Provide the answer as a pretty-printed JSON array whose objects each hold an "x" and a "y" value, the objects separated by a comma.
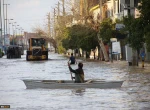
[
  {"x": 61, "y": 49},
  {"x": 1, "y": 53}
]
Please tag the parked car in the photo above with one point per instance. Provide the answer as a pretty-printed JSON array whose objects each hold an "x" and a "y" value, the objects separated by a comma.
[{"x": 14, "y": 51}]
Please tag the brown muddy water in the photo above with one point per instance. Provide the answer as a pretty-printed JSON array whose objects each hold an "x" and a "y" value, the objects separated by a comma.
[{"x": 133, "y": 95}]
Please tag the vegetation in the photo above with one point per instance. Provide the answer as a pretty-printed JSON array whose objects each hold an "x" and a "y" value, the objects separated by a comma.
[
  {"x": 138, "y": 28},
  {"x": 145, "y": 19},
  {"x": 107, "y": 30},
  {"x": 133, "y": 27},
  {"x": 81, "y": 36}
]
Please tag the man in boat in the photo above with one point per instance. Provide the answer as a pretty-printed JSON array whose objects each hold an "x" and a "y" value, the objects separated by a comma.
[
  {"x": 72, "y": 59},
  {"x": 79, "y": 73}
]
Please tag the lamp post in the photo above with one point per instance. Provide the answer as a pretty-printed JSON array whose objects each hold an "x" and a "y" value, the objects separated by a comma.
[
  {"x": 0, "y": 24},
  {"x": 9, "y": 25},
  {"x": 13, "y": 31},
  {"x": 20, "y": 36},
  {"x": 6, "y": 16},
  {"x": 16, "y": 30},
  {"x": 22, "y": 31},
  {"x": 4, "y": 23}
]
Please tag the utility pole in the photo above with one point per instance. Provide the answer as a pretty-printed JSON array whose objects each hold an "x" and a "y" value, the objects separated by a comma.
[
  {"x": 101, "y": 10},
  {"x": 63, "y": 3},
  {"x": 0, "y": 24},
  {"x": 6, "y": 18},
  {"x": 13, "y": 32},
  {"x": 54, "y": 22},
  {"x": 4, "y": 21},
  {"x": 54, "y": 28},
  {"x": 49, "y": 25},
  {"x": 81, "y": 9},
  {"x": 58, "y": 10}
]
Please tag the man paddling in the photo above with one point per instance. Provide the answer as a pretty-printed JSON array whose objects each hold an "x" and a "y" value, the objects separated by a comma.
[
  {"x": 79, "y": 73},
  {"x": 72, "y": 59}
]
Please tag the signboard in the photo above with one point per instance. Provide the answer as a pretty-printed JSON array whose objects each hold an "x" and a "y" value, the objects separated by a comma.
[
  {"x": 128, "y": 53},
  {"x": 125, "y": 12},
  {"x": 113, "y": 39},
  {"x": 116, "y": 49},
  {"x": 119, "y": 26}
]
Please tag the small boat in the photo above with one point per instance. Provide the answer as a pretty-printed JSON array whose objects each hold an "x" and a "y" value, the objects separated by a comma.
[{"x": 69, "y": 84}]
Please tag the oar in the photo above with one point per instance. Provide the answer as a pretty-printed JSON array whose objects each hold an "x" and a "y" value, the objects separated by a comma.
[
  {"x": 89, "y": 81},
  {"x": 71, "y": 73}
]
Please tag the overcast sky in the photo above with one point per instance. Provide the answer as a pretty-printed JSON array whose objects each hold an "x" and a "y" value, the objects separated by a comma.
[{"x": 30, "y": 13}]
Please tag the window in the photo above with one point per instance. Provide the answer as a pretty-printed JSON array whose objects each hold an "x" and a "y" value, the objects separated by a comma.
[
  {"x": 121, "y": 7},
  {"x": 127, "y": 2}
]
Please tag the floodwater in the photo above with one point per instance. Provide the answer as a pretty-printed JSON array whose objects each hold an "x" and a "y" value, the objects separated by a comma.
[{"x": 133, "y": 95}]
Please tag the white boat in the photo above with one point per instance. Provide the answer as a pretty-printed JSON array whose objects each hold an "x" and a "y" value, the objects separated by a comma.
[{"x": 68, "y": 84}]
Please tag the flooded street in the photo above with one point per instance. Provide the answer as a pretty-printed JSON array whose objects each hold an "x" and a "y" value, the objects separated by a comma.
[{"x": 133, "y": 95}]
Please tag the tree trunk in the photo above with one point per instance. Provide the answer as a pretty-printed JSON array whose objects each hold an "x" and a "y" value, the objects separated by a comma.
[
  {"x": 103, "y": 50},
  {"x": 138, "y": 52},
  {"x": 98, "y": 53},
  {"x": 135, "y": 58}
]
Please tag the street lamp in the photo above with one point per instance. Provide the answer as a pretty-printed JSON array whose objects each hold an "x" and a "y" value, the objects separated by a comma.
[
  {"x": 13, "y": 31},
  {"x": 16, "y": 30},
  {"x": 9, "y": 25},
  {"x": 6, "y": 16},
  {"x": 22, "y": 31},
  {"x": 4, "y": 23},
  {"x": 0, "y": 24}
]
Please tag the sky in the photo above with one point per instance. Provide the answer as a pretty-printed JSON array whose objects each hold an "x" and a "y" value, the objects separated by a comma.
[{"x": 29, "y": 13}]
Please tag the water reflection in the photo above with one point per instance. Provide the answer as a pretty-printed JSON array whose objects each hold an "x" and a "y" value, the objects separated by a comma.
[{"x": 79, "y": 92}]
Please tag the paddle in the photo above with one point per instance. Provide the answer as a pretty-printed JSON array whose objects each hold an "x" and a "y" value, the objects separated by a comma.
[
  {"x": 70, "y": 72},
  {"x": 89, "y": 81},
  {"x": 71, "y": 76}
]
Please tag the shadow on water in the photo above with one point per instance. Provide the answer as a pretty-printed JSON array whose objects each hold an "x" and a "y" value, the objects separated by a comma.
[
  {"x": 79, "y": 92},
  {"x": 56, "y": 59}
]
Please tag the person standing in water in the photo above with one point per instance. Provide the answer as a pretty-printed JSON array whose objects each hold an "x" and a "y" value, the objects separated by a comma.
[
  {"x": 143, "y": 55},
  {"x": 72, "y": 59}
]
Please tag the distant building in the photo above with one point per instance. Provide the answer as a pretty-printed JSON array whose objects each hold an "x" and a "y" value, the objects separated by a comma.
[{"x": 20, "y": 40}]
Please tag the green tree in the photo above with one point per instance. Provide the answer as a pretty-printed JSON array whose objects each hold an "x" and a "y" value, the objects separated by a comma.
[
  {"x": 144, "y": 9},
  {"x": 107, "y": 30},
  {"x": 89, "y": 40},
  {"x": 135, "y": 39},
  {"x": 81, "y": 36},
  {"x": 133, "y": 26}
]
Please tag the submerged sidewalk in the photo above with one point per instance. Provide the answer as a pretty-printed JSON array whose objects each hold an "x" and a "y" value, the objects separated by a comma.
[{"x": 134, "y": 69}]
